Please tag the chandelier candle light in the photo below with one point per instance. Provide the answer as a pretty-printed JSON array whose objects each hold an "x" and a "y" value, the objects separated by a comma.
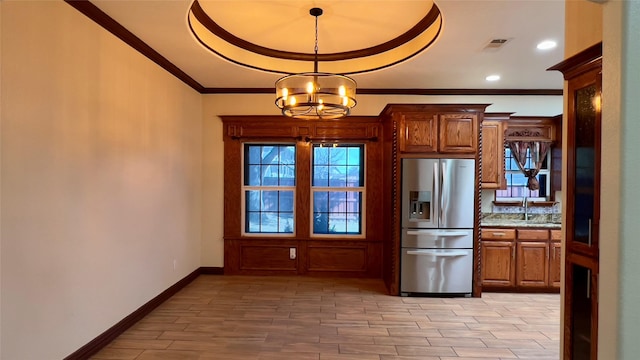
[{"x": 315, "y": 95}]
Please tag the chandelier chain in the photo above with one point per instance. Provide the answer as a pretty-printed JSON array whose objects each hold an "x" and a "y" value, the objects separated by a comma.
[{"x": 315, "y": 49}]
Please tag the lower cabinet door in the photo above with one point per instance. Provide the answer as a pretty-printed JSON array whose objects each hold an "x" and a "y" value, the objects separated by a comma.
[
  {"x": 555, "y": 261},
  {"x": 498, "y": 263},
  {"x": 533, "y": 264}
]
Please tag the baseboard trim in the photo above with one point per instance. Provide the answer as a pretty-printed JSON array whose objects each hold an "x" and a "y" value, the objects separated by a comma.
[
  {"x": 209, "y": 270},
  {"x": 116, "y": 330}
]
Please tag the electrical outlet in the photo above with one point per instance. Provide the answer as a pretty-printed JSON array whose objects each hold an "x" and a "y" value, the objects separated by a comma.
[
  {"x": 175, "y": 264},
  {"x": 292, "y": 253}
]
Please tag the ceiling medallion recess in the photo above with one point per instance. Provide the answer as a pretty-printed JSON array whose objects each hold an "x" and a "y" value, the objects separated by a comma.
[{"x": 315, "y": 95}]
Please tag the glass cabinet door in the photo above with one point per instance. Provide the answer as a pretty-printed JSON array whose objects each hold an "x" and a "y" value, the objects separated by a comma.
[
  {"x": 582, "y": 314},
  {"x": 584, "y": 164}
]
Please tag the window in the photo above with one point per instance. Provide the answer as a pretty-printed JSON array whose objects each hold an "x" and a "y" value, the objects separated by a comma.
[
  {"x": 269, "y": 188},
  {"x": 337, "y": 189},
  {"x": 517, "y": 182}
]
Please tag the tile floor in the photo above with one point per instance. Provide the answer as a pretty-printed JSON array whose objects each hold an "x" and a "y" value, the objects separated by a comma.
[{"x": 301, "y": 318}]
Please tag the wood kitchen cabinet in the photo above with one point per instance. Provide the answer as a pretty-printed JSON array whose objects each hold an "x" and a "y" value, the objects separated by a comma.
[
  {"x": 520, "y": 259},
  {"x": 419, "y": 132},
  {"x": 498, "y": 257},
  {"x": 583, "y": 74},
  {"x": 458, "y": 133},
  {"x": 437, "y": 128},
  {"x": 555, "y": 260},
  {"x": 533, "y": 258},
  {"x": 493, "y": 127}
]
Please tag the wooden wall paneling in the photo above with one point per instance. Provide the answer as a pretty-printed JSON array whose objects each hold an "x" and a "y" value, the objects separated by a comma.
[
  {"x": 267, "y": 256},
  {"x": 355, "y": 131},
  {"x": 232, "y": 188},
  {"x": 374, "y": 197},
  {"x": 231, "y": 256},
  {"x": 303, "y": 193},
  {"x": 337, "y": 256}
]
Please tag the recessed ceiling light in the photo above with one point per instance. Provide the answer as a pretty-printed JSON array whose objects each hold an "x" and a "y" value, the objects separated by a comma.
[
  {"x": 493, "y": 78},
  {"x": 546, "y": 45}
]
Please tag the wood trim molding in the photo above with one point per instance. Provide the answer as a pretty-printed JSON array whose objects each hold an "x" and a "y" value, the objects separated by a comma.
[
  {"x": 588, "y": 55},
  {"x": 416, "y": 92},
  {"x": 102, "y": 340},
  {"x": 108, "y": 23}
]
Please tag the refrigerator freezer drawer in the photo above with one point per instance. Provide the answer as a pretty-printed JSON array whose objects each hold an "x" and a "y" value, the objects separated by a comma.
[
  {"x": 436, "y": 271},
  {"x": 437, "y": 239}
]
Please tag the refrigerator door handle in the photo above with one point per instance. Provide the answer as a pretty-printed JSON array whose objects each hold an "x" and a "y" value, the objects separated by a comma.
[
  {"x": 443, "y": 193},
  {"x": 437, "y": 233},
  {"x": 448, "y": 253},
  {"x": 435, "y": 210}
]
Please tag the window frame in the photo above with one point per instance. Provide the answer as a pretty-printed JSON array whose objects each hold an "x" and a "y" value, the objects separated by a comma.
[
  {"x": 546, "y": 170},
  {"x": 362, "y": 190},
  {"x": 244, "y": 188}
]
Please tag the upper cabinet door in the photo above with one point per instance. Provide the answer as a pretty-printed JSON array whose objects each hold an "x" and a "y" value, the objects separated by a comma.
[
  {"x": 458, "y": 133},
  {"x": 419, "y": 132},
  {"x": 493, "y": 155}
]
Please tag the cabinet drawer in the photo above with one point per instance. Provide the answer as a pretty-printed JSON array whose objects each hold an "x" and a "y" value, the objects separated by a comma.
[
  {"x": 528, "y": 234},
  {"x": 498, "y": 234},
  {"x": 556, "y": 235}
]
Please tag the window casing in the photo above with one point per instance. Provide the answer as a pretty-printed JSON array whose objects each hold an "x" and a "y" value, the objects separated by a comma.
[
  {"x": 517, "y": 183},
  {"x": 268, "y": 191},
  {"x": 338, "y": 190}
]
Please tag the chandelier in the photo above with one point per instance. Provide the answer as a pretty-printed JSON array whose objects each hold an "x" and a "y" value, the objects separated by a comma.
[{"x": 315, "y": 95}]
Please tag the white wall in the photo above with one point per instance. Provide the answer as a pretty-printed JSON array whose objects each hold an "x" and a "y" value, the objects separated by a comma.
[
  {"x": 101, "y": 180},
  {"x": 619, "y": 292}
]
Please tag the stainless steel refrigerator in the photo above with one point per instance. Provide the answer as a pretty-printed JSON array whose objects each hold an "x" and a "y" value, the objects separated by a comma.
[{"x": 437, "y": 226}]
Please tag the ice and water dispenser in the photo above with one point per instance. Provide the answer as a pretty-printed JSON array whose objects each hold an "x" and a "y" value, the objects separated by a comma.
[{"x": 419, "y": 205}]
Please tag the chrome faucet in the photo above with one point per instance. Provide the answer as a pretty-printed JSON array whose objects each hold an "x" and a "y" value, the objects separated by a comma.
[{"x": 525, "y": 204}]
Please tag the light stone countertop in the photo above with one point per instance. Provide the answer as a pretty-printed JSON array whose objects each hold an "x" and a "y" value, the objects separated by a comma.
[
  {"x": 549, "y": 221},
  {"x": 519, "y": 223}
]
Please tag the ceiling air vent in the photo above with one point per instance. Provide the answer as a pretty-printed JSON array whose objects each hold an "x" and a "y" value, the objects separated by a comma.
[{"x": 496, "y": 44}]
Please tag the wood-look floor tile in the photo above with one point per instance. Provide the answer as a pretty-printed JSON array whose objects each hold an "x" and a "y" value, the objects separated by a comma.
[
  {"x": 456, "y": 342},
  {"x": 492, "y": 326},
  {"x": 536, "y": 354},
  {"x": 362, "y": 330},
  {"x": 441, "y": 325},
  {"x": 269, "y": 318},
  {"x": 484, "y": 352},
  {"x": 417, "y": 357},
  {"x": 169, "y": 355},
  {"x": 478, "y": 334},
  {"x": 347, "y": 357},
  {"x": 368, "y": 349},
  {"x": 141, "y": 334},
  {"x": 512, "y": 343},
  {"x": 425, "y": 350},
  {"x": 344, "y": 339},
  {"x": 110, "y": 353},
  {"x": 536, "y": 335},
  {"x": 414, "y": 332},
  {"x": 139, "y": 344},
  {"x": 401, "y": 340}
]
